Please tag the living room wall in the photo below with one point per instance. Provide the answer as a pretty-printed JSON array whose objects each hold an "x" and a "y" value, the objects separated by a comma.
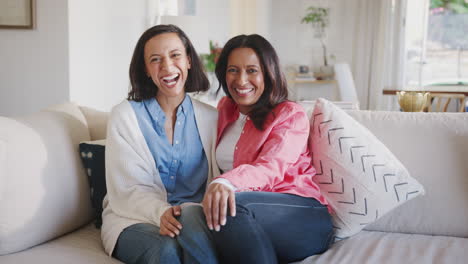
[
  {"x": 34, "y": 62},
  {"x": 103, "y": 35},
  {"x": 80, "y": 51}
]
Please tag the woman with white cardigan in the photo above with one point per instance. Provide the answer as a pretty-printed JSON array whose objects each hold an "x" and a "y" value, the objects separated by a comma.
[{"x": 159, "y": 157}]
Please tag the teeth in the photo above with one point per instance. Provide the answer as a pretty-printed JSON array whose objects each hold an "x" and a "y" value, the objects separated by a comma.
[
  {"x": 170, "y": 77},
  {"x": 244, "y": 91},
  {"x": 171, "y": 83}
]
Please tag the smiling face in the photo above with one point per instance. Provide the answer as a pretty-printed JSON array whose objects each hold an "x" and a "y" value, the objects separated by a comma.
[
  {"x": 244, "y": 78},
  {"x": 167, "y": 63}
]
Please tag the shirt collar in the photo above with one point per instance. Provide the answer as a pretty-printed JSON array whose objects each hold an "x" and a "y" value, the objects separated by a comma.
[
  {"x": 158, "y": 114},
  {"x": 155, "y": 110},
  {"x": 185, "y": 106},
  {"x": 231, "y": 109}
]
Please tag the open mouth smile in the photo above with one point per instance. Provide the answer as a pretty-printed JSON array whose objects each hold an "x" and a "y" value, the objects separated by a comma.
[
  {"x": 171, "y": 79},
  {"x": 244, "y": 91}
]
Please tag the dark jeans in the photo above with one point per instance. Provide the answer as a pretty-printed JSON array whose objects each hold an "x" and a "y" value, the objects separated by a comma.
[
  {"x": 273, "y": 227},
  {"x": 142, "y": 243}
]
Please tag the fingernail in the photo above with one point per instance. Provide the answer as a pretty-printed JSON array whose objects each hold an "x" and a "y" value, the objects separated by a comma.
[
  {"x": 217, "y": 228},
  {"x": 177, "y": 232},
  {"x": 223, "y": 222},
  {"x": 210, "y": 227}
]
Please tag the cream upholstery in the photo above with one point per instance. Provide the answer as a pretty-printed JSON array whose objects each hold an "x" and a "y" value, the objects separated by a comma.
[
  {"x": 382, "y": 247},
  {"x": 39, "y": 158},
  {"x": 97, "y": 122},
  {"x": 45, "y": 192},
  {"x": 434, "y": 148},
  {"x": 80, "y": 247}
]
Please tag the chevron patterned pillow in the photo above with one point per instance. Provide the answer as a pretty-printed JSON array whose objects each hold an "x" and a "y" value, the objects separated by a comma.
[{"x": 359, "y": 176}]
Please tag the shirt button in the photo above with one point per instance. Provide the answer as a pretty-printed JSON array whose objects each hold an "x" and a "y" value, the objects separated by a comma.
[
  {"x": 178, "y": 123},
  {"x": 169, "y": 194},
  {"x": 248, "y": 118},
  {"x": 172, "y": 177},
  {"x": 177, "y": 142},
  {"x": 175, "y": 161},
  {"x": 236, "y": 147}
]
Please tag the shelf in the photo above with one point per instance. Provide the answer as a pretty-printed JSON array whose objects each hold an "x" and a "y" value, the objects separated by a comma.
[{"x": 313, "y": 81}]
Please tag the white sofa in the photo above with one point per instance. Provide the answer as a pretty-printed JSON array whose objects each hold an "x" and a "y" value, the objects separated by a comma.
[{"x": 45, "y": 211}]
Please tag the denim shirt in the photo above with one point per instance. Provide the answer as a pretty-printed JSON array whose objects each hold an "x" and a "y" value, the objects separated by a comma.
[{"x": 183, "y": 166}]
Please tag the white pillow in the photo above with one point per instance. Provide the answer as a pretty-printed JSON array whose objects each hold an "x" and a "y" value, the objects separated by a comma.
[{"x": 361, "y": 179}]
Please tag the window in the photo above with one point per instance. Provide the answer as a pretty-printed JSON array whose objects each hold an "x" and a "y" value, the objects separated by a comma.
[{"x": 436, "y": 42}]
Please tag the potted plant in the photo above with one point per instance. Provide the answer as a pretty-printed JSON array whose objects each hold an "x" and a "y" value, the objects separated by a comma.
[
  {"x": 209, "y": 63},
  {"x": 318, "y": 17},
  {"x": 209, "y": 60}
]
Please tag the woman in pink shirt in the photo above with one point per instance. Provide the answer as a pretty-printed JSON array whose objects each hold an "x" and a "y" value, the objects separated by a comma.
[{"x": 276, "y": 212}]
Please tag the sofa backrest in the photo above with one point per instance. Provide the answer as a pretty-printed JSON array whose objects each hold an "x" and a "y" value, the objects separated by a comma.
[
  {"x": 432, "y": 146},
  {"x": 434, "y": 149},
  {"x": 44, "y": 189},
  {"x": 97, "y": 122}
]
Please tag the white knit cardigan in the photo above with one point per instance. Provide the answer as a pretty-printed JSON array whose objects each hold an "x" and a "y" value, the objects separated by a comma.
[{"x": 135, "y": 192}]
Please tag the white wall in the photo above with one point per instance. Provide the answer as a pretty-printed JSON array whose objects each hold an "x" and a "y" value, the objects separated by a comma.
[
  {"x": 295, "y": 42},
  {"x": 250, "y": 17},
  {"x": 34, "y": 63},
  {"x": 103, "y": 35},
  {"x": 211, "y": 22},
  {"x": 81, "y": 51}
]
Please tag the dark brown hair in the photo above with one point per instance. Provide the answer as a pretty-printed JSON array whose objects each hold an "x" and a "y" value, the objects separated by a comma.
[
  {"x": 143, "y": 87},
  {"x": 276, "y": 89}
]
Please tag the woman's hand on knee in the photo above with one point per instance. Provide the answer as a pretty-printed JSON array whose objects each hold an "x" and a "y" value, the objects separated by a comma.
[
  {"x": 169, "y": 225},
  {"x": 217, "y": 199}
]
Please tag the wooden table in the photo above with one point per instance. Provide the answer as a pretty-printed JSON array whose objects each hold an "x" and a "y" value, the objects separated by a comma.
[{"x": 449, "y": 89}]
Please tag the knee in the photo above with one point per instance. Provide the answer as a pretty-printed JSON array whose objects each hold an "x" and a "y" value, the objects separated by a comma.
[
  {"x": 192, "y": 215},
  {"x": 168, "y": 252},
  {"x": 244, "y": 217},
  {"x": 244, "y": 198}
]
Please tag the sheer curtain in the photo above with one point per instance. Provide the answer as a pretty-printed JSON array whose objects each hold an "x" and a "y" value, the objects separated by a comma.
[{"x": 377, "y": 50}]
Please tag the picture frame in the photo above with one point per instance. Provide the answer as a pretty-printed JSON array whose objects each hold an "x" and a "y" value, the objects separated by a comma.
[{"x": 17, "y": 14}]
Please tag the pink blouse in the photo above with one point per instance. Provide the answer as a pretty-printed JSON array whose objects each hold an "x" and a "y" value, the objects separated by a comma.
[{"x": 276, "y": 159}]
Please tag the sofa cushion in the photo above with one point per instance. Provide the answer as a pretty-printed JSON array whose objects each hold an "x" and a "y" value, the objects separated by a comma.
[
  {"x": 44, "y": 191},
  {"x": 81, "y": 246},
  {"x": 359, "y": 176},
  {"x": 434, "y": 149},
  {"x": 93, "y": 156},
  {"x": 3, "y": 165},
  {"x": 394, "y": 248}
]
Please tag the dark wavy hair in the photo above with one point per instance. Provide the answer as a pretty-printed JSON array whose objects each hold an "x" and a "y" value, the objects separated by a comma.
[
  {"x": 276, "y": 89},
  {"x": 143, "y": 87}
]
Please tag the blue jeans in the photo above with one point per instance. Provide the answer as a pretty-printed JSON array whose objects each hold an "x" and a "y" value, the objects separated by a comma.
[
  {"x": 274, "y": 227},
  {"x": 142, "y": 243}
]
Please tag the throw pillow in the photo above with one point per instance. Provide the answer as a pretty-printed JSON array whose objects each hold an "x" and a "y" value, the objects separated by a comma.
[
  {"x": 93, "y": 156},
  {"x": 359, "y": 176}
]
